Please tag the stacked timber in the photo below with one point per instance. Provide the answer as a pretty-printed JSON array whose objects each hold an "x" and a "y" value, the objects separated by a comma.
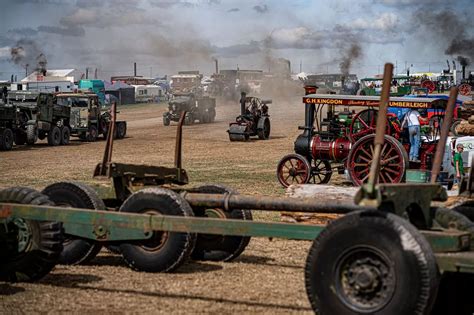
[{"x": 466, "y": 113}]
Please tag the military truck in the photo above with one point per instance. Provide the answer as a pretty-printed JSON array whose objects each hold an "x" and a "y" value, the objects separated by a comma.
[
  {"x": 7, "y": 126},
  {"x": 201, "y": 108},
  {"x": 39, "y": 117},
  {"x": 88, "y": 118}
]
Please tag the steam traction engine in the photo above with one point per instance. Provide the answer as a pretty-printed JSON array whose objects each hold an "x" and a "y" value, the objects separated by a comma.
[{"x": 342, "y": 141}]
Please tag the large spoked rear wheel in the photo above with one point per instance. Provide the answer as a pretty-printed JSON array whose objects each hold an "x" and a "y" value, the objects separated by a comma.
[
  {"x": 393, "y": 163},
  {"x": 264, "y": 132},
  {"x": 32, "y": 247},
  {"x": 164, "y": 251},
  {"x": 75, "y": 195},
  {"x": 370, "y": 262},
  {"x": 219, "y": 247},
  {"x": 293, "y": 169}
]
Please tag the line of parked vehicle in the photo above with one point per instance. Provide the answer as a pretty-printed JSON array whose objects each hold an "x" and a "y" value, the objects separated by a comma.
[{"x": 26, "y": 116}]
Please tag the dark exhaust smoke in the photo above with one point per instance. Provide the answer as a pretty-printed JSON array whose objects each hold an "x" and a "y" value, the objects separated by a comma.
[
  {"x": 349, "y": 55},
  {"x": 26, "y": 52}
]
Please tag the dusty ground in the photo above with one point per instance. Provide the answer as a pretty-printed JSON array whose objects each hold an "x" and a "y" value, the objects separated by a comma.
[{"x": 267, "y": 278}]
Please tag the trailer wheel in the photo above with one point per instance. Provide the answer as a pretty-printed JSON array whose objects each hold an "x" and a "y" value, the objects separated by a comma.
[
  {"x": 34, "y": 246},
  {"x": 75, "y": 195},
  {"x": 121, "y": 129},
  {"x": 293, "y": 169},
  {"x": 31, "y": 134},
  {"x": 166, "y": 121},
  {"x": 164, "y": 251},
  {"x": 219, "y": 247},
  {"x": 6, "y": 139},
  {"x": 65, "y": 135},
  {"x": 20, "y": 137},
  {"x": 54, "y": 136},
  {"x": 371, "y": 262},
  {"x": 394, "y": 160},
  {"x": 264, "y": 133}
]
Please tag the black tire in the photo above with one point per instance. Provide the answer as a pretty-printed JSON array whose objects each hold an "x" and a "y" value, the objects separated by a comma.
[
  {"x": 164, "y": 251},
  {"x": 121, "y": 128},
  {"x": 264, "y": 133},
  {"x": 41, "y": 135},
  {"x": 371, "y": 262},
  {"x": 212, "y": 115},
  {"x": 65, "y": 135},
  {"x": 20, "y": 137},
  {"x": 31, "y": 134},
  {"x": 189, "y": 119},
  {"x": 76, "y": 195},
  {"x": 166, "y": 121},
  {"x": 219, "y": 247},
  {"x": 92, "y": 133},
  {"x": 54, "y": 136},
  {"x": 42, "y": 245},
  {"x": 6, "y": 139}
]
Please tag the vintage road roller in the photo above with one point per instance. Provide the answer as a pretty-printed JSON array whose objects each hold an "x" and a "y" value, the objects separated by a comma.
[
  {"x": 341, "y": 140},
  {"x": 253, "y": 120},
  {"x": 395, "y": 252}
]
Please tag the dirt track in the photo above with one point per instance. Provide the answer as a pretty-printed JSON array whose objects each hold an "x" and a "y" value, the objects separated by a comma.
[{"x": 267, "y": 278}]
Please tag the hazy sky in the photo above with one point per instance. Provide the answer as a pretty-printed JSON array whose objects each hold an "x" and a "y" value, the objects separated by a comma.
[{"x": 164, "y": 36}]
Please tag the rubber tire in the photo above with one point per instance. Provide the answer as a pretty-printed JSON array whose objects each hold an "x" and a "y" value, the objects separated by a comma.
[
  {"x": 54, "y": 136},
  {"x": 46, "y": 245},
  {"x": 177, "y": 247},
  {"x": 166, "y": 121},
  {"x": 20, "y": 137},
  {"x": 220, "y": 248},
  {"x": 6, "y": 139},
  {"x": 76, "y": 195},
  {"x": 65, "y": 135},
  {"x": 407, "y": 252},
  {"x": 92, "y": 135},
  {"x": 264, "y": 134},
  {"x": 121, "y": 128},
  {"x": 31, "y": 134}
]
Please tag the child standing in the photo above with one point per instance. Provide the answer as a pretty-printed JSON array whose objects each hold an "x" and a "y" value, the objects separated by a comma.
[{"x": 458, "y": 162}]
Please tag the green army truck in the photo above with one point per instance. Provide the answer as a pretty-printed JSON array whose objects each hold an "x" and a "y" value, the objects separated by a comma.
[
  {"x": 7, "y": 126},
  {"x": 88, "y": 119},
  {"x": 39, "y": 117}
]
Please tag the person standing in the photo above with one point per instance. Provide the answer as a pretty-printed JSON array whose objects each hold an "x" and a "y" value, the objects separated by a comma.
[
  {"x": 458, "y": 162},
  {"x": 412, "y": 120}
]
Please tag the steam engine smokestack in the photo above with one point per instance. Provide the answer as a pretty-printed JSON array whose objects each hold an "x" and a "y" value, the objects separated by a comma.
[
  {"x": 243, "y": 97},
  {"x": 134, "y": 69},
  {"x": 217, "y": 66},
  {"x": 463, "y": 72}
]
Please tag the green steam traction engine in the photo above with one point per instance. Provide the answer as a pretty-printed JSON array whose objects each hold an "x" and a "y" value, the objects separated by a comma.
[{"x": 395, "y": 252}]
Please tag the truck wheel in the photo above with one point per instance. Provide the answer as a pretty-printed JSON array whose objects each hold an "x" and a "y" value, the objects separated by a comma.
[
  {"x": 41, "y": 135},
  {"x": 166, "y": 121},
  {"x": 36, "y": 244},
  {"x": 54, "y": 136},
  {"x": 75, "y": 195},
  {"x": 121, "y": 129},
  {"x": 371, "y": 262},
  {"x": 219, "y": 247},
  {"x": 31, "y": 134},
  {"x": 92, "y": 133},
  {"x": 212, "y": 115},
  {"x": 6, "y": 139},
  {"x": 20, "y": 137},
  {"x": 164, "y": 251},
  {"x": 189, "y": 119},
  {"x": 65, "y": 135}
]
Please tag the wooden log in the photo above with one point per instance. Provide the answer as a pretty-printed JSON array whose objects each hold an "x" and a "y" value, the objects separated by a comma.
[
  {"x": 334, "y": 194},
  {"x": 465, "y": 128}
]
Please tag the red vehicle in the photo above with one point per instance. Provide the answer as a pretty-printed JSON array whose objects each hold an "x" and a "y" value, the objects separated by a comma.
[{"x": 341, "y": 140}]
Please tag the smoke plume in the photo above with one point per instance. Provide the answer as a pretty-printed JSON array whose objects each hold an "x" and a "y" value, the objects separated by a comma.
[
  {"x": 27, "y": 53},
  {"x": 349, "y": 55}
]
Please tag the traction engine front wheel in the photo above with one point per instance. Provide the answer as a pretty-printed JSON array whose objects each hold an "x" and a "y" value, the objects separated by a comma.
[{"x": 293, "y": 169}]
